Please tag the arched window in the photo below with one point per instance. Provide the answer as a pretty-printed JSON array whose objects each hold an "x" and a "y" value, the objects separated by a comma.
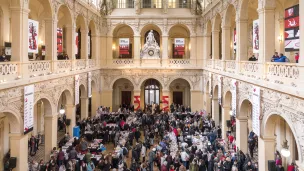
[
  {"x": 151, "y": 3},
  {"x": 152, "y": 90}
]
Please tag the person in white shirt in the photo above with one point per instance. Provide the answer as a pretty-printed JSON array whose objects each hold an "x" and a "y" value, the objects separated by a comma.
[
  {"x": 185, "y": 158},
  {"x": 143, "y": 152}
]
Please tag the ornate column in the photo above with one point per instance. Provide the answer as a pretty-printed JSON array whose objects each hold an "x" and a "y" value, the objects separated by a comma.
[
  {"x": 266, "y": 151},
  {"x": 19, "y": 26},
  {"x": 70, "y": 41},
  {"x": 50, "y": 123},
  {"x": 95, "y": 48},
  {"x": 196, "y": 100},
  {"x": 215, "y": 44},
  {"x": 199, "y": 49},
  {"x": 19, "y": 149},
  {"x": 95, "y": 101},
  {"x": 84, "y": 45},
  {"x": 51, "y": 38},
  {"x": 226, "y": 43},
  {"x": 242, "y": 39},
  {"x": 241, "y": 133},
  {"x": 207, "y": 46},
  {"x": 207, "y": 102},
  {"x": 225, "y": 117},
  {"x": 215, "y": 111},
  {"x": 103, "y": 50},
  {"x": 109, "y": 48},
  {"x": 193, "y": 47},
  {"x": 71, "y": 114},
  {"x": 84, "y": 102},
  {"x": 266, "y": 33},
  {"x": 165, "y": 55},
  {"x": 137, "y": 48},
  {"x": 106, "y": 98},
  {"x": 137, "y": 99}
]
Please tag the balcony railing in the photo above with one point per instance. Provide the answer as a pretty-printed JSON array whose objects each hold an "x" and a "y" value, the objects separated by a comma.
[
  {"x": 250, "y": 69},
  {"x": 9, "y": 70},
  {"x": 39, "y": 68},
  {"x": 80, "y": 64},
  {"x": 230, "y": 66},
  {"x": 63, "y": 65}
]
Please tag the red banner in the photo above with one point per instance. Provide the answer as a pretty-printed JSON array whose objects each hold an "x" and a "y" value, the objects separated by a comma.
[
  {"x": 292, "y": 23},
  {"x": 124, "y": 44},
  {"x": 165, "y": 100},
  {"x": 136, "y": 102},
  {"x": 59, "y": 40},
  {"x": 179, "y": 46}
]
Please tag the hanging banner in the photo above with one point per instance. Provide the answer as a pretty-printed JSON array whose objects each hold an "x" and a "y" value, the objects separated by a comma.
[
  {"x": 255, "y": 36},
  {"x": 59, "y": 40},
  {"x": 179, "y": 46},
  {"x": 124, "y": 44},
  {"x": 165, "y": 100},
  {"x": 76, "y": 43},
  {"x": 89, "y": 45},
  {"x": 33, "y": 28},
  {"x": 210, "y": 84},
  {"x": 292, "y": 29},
  {"x": 136, "y": 102},
  {"x": 28, "y": 108},
  {"x": 256, "y": 102},
  {"x": 89, "y": 84},
  {"x": 233, "y": 92},
  {"x": 77, "y": 82},
  {"x": 234, "y": 41},
  {"x": 219, "y": 79}
]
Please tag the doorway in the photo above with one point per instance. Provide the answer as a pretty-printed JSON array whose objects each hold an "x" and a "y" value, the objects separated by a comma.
[
  {"x": 126, "y": 97},
  {"x": 178, "y": 97}
]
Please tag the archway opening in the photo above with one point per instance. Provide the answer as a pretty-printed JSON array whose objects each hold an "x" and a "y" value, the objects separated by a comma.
[
  {"x": 180, "y": 92},
  {"x": 122, "y": 94},
  {"x": 279, "y": 128},
  {"x": 82, "y": 32},
  {"x": 123, "y": 42},
  {"x": 179, "y": 42},
  {"x": 66, "y": 37}
]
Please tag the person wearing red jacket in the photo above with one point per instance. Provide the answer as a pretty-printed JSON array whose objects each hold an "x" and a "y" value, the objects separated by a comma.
[{"x": 297, "y": 57}]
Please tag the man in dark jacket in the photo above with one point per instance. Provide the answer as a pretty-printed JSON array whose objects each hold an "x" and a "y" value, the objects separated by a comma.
[{"x": 137, "y": 134}]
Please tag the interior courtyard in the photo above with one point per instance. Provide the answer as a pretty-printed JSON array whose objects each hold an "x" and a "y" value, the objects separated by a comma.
[{"x": 69, "y": 65}]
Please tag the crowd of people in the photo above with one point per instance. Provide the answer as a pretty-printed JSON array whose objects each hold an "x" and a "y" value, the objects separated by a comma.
[{"x": 175, "y": 141}]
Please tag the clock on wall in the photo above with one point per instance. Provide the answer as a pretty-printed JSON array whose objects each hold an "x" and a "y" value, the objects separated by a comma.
[{"x": 151, "y": 52}]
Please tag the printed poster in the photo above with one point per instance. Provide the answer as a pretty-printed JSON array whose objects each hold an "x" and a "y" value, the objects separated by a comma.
[
  {"x": 255, "y": 36},
  {"x": 124, "y": 44},
  {"x": 28, "y": 108},
  {"x": 292, "y": 29},
  {"x": 77, "y": 82},
  {"x": 179, "y": 46},
  {"x": 165, "y": 100},
  {"x": 59, "y": 40},
  {"x": 89, "y": 84},
  {"x": 256, "y": 100},
  {"x": 136, "y": 102},
  {"x": 33, "y": 29},
  {"x": 76, "y": 43}
]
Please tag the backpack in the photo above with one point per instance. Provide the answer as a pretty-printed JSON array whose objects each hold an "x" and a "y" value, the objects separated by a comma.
[{"x": 124, "y": 151}]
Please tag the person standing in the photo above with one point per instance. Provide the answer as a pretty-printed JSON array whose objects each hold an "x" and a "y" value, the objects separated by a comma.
[
  {"x": 297, "y": 57},
  {"x": 152, "y": 158}
]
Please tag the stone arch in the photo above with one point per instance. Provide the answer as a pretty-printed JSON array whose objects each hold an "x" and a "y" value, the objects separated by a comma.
[
  {"x": 215, "y": 90},
  {"x": 151, "y": 77},
  {"x": 119, "y": 26},
  {"x": 49, "y": 109},
  {"x": 81, "y": 22},
  {"x": 208, "y": 28},
  {"x": 227, "y": 18},
  {"x": 92, "y": 27},
  {"x": 83, "y": 90},
  {"x": 120, "y": 77},
  {"x": 183, "y": 78},
  {"x": 227, "y": 98},
  {"x": 244, "y": 102},
  {"x": 186, "y": 27},
  {"x": 94, "y": 85},
  {"x": 68, "y": 95},
  {"x": 268, "y": 128},
  {"x": 15, "y": 120},
  {"x": 64, "y": 16},
  {"x": 148, "y": 27},
  {"x": 44, "y": 6},
  {"x": 216, "y": 22}
]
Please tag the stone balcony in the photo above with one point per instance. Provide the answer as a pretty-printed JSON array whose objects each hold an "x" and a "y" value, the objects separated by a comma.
[{"x": 285, "y": 77}]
